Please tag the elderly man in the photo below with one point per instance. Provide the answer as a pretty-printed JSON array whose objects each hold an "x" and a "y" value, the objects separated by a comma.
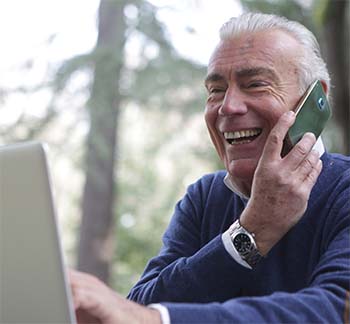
[{"x": 268, "y": 239}]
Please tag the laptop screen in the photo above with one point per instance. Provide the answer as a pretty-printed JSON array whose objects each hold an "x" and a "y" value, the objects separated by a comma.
[{"x": 33, "y": 287}]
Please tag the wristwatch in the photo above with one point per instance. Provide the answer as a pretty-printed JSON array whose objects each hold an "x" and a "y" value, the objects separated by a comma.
[{"x": 244, "y": 243}]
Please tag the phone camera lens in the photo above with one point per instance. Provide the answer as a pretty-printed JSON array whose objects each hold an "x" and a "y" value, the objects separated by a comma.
[{"x": 320, "y": 103}]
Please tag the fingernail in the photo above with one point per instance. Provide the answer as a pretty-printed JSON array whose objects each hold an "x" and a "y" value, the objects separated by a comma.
[
  {"x": 311, "y": 135},
  {"x": 290, "y": 113}
]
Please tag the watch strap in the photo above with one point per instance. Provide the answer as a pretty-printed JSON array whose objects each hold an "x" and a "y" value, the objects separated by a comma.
[{"x": 252, "y": 256}]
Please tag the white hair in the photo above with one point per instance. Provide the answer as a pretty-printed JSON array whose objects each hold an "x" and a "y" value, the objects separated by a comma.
[{"x": 311, "y": 65}]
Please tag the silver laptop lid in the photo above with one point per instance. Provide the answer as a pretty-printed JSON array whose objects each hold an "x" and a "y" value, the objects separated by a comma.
[{"x": 33, "y": 286}]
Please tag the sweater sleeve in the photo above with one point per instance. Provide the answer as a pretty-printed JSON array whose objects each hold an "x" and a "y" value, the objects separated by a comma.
[
  {"x": 325, "y": 298},
  {"x": 184, "y": 270},
  {"x": 190, "y": 278}
]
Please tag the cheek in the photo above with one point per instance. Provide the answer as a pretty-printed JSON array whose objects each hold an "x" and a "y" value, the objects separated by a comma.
[
  {"x": 270, "y": 111},
  {"x": 278, "y": 95},
  {"x": 284, "y": 99},
  {"x": 211, "y": 113},
  {"x": 273, "y": 114}
]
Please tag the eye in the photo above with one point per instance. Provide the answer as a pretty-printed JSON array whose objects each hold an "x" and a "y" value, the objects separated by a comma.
[
  {"x": 256, "y": 84},
  {"x": 215, "y": 90},
  {"x": 216, "y": 93}
]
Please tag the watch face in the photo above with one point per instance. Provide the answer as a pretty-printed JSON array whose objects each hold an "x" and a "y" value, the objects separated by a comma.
[{"x": 242, "y": 243}]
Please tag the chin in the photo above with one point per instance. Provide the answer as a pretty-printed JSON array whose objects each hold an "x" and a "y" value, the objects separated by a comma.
[{"x": 242, "y": 170}]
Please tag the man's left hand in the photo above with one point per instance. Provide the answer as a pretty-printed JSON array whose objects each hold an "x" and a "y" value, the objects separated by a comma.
[{"x": 281, "y": 186}]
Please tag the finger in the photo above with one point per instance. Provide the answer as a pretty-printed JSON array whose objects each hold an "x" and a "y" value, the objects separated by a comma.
[
  {"x": 311, "y": 178},
  {"x": 75, "y": 298},
  {"x": 84, "y": 317},
  {"x": 84, "y": 279},
  {"x": 78, "y": 296},
  {"x": 94, "y": 304},
  {"x": 274, "y": 142},
  {"x": 300, "y": 151},
  {"x": 306, "y": 166},
  {"x": 88, "y": 300},
  {"x": 77, "y": 275},
  {"x": 77, "y": 292}
]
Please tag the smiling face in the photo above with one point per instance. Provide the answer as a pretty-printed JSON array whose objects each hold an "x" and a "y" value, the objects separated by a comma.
[{"x": 252, "y": 80}]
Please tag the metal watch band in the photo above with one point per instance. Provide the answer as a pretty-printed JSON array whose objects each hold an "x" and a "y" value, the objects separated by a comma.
[{"x": 252, "y": 255}]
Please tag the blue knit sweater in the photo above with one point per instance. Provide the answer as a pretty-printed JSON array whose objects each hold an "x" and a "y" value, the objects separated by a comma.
[{"x": 304, "y": 279}]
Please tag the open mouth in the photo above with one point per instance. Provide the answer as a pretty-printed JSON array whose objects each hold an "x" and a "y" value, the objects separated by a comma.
[{"x": 242, "y": 136}]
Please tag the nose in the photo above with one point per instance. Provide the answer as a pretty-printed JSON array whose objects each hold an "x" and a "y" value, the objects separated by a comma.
[{"x": 233, "y": 103}]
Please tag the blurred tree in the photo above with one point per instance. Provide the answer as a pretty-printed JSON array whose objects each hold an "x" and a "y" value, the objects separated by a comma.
[
  {"x": 133, "y": 64},
  {"x": 96, "y": 231},
  {"x": 335, "y": 21},
  {"x": 117, "y": 80},
  {"x": 292, "y": 9}
]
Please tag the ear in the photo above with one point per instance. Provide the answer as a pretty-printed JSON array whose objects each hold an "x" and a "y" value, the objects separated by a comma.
[{"x": 324, "y": 86}]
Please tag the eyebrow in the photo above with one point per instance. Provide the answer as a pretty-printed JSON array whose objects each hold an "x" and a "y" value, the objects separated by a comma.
[
  {"x": 249, "y": 72},
  {"x": 245, "y": 72},
  {"x": 212, "y": 77}
]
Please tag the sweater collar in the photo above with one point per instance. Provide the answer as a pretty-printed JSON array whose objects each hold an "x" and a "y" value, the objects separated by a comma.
[{"x": 319, "y": 147}]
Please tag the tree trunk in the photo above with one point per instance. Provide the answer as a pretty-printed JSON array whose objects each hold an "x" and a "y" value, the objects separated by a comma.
[
  {"x": 337, "y": 52},
  {"x": 96, "y": 231}
]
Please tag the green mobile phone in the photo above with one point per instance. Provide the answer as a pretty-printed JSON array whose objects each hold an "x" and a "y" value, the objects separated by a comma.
[{"x": 312, "y": 114}]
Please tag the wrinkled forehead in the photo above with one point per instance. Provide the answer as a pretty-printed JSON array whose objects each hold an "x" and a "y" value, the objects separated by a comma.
[{"x": 269, "y": 46}]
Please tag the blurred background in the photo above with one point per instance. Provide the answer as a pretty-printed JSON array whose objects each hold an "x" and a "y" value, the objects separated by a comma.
[{"x": 115, "y": 87}]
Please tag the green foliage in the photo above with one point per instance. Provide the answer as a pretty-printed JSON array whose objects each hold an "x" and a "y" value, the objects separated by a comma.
[
  {"x": 173, "y": 77},
  {"x": 161, "y": 153},
  {"x": 69, "y": 67},
  {"x": 288, "y": 8},
  {"x": 162, "y": 100},
  {"x": 320, "y": 8}
]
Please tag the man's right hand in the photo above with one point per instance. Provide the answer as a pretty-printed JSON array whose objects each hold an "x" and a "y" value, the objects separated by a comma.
[
  {"x": 281, "y": 186},
  {"x": 94, "y": 302}
]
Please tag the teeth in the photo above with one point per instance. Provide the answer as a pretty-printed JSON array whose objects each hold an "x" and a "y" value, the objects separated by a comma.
[{"x": 241, "y": 134}]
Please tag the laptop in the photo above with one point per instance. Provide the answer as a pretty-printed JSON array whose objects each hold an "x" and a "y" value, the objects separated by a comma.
[{"x": 33, "y": 284}]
